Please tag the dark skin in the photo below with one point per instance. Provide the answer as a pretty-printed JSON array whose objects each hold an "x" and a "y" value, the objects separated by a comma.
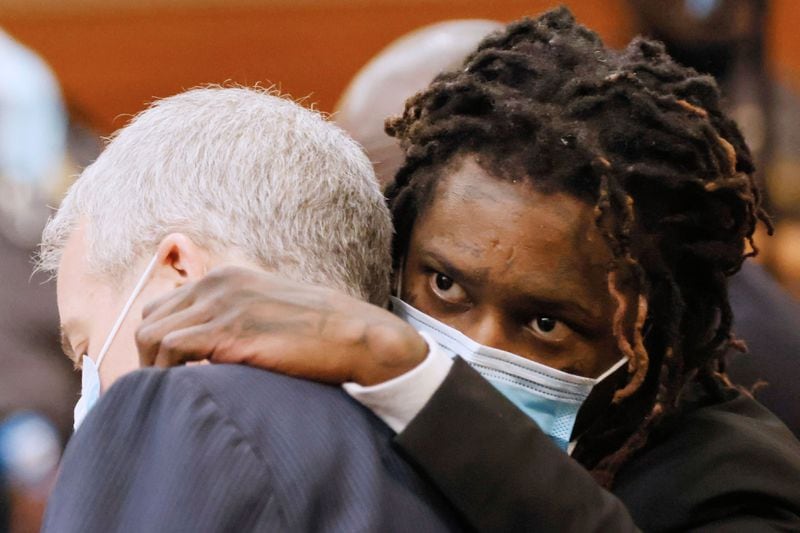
[
  {"x": 514, "y": 269},
  {"x": 240, "y": 315},
  {"x": 509, "y": 266}
]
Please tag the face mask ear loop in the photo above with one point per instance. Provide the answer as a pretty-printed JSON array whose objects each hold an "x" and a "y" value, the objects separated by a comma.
[
  {"x": 136, "y": 290},
  {"x": 611, "y": 370},
  {"x": 398, "y": 284}
]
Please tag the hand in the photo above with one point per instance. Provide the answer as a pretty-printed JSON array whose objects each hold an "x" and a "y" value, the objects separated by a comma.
[{"x": 238, "y": 315}]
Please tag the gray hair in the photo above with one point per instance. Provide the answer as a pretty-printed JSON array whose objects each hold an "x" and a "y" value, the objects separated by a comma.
[{"x": 239, "y": 170}]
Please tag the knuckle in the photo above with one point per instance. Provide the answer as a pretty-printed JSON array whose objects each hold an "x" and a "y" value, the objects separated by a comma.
[
  {"x": 170, "y": 344},
  {"x": 225, "y": 273},
  {"x": 213, "y": 278},
  {"x": 144, "y": 336}
]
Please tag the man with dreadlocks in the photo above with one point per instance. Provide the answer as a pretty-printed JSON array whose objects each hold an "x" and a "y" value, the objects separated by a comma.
[{"x": 566, "y": 219}]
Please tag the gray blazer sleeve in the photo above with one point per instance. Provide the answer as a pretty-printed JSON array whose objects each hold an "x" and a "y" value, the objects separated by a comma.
[{"x": 158, "y": 454}]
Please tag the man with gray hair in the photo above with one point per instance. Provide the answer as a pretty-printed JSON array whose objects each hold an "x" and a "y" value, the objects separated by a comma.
[{"x": 204, "y": 180}]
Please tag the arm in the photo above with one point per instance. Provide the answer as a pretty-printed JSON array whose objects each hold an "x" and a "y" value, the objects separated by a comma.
[
  {"x": 728, "y": 467},
  {"x": 157, "y": 454},
  {"x": 486, "y": 456},
  {"x": 498, "y": 468},
  {"x": 511, "y": 475}
]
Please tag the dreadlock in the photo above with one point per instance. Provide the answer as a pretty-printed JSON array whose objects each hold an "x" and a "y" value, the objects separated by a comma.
[{"x": 641, "y": 138}]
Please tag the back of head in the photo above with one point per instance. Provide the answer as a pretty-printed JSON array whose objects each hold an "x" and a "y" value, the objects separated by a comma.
[
  {"x": 240, "y": 171},
  {"x": 644, "y": 141},
  {"x": 400, "y": 70}
]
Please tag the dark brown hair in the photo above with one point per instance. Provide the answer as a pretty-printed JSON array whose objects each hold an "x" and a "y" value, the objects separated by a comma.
[{"x": 642, "y": 139}]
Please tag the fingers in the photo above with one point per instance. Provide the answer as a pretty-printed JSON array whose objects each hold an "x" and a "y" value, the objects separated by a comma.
[
  {"x": 219, "y": 281},
  {"x": 169, "y": 303},
  {"x": 152, "y": 333},
  {"x": 185, "y": 307},
  {"x": 193, "y": 343}
]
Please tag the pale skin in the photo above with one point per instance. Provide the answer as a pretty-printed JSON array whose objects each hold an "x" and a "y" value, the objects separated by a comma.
[
  {"x": 89, "y": 304},
  {"x": 509, "y": 266}
]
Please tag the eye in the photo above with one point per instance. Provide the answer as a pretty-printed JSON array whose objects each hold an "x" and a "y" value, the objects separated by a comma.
[
  {"x": 549, "y": 328},
  {"x": 448, "y": 290}
]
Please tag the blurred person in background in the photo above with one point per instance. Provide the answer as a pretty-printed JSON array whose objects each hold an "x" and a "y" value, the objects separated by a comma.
[
  {"x": 566, "y": 219},
  {"x": 766, "y": 317},
  {"x": 207, "y": 179},
  {"x": 726, "y": 38},
  {"x": 403, "y": 68},
  {"x": 37, "y": 386}
]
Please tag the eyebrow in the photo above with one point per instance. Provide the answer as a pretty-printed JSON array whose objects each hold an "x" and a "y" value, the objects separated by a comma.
[
  {"x": 66, "y": 347},
  {"x": 540, "y": 303},
  {"x": 477, "y": 276}
]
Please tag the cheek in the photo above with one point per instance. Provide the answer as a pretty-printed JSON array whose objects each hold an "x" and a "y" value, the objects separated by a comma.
[
  {"x": 599, "y": 355},
  {"x": 122, "y": 356},
  {"x": 100, "y": 317}
]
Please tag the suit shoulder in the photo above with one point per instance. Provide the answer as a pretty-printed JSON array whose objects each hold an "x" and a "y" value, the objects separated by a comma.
[
  {"x": 271, "y": 404},
  {"x": 739, "y": 425},
  {"x": 731, "y": 437},
  {"x": 157, "y": 437},
  {"x": 152, "y": 398},
  {"x": 227, "y": 384},
  {"x": 241, "y": 385},
  {"x": 268, "y": 410},
  {"x": 711, "y": 455}
]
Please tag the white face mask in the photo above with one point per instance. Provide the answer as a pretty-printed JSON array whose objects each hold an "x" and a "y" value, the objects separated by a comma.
[
  {"x": 90, "y": 371},
  {"x": 550, "y": 397}
]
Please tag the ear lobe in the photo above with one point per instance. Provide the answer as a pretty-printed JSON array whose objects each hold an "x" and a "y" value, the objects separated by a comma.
[{"x": 181, "y": 259}]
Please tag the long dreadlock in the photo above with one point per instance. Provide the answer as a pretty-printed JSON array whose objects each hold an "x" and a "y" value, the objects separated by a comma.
[{"x": 641, "y": 138}]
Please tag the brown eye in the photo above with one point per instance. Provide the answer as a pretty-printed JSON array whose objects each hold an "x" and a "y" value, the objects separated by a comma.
[
  {"x": 443, "y": 283},
  {"x": 448, "y": 290},
  {"x": 546, "y": 324},
  {"x": 549, "y": 328}
]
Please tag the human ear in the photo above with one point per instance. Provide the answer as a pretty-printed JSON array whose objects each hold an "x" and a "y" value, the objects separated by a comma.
[{"x": 180, "y": 260}]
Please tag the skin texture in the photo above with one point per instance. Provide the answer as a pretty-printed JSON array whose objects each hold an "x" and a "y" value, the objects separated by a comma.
[
  {"x": 532, "y": 281},
  {"x": 89, "y": 304},
  {"x": 238, "y": 315},
  {"x": 523, "y": 271}
]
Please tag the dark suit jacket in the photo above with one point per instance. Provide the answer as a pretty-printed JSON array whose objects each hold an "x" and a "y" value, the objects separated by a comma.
[
  {"x": 721, "y": 466},
  {"x": 768, "y": 319},
  {"x": 228, "y": 448}
]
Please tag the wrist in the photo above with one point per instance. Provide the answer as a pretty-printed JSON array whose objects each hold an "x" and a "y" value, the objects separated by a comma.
[{"x": 394, "y": 349}]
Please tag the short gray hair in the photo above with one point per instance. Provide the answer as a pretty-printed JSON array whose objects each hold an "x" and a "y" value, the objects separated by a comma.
[{"x": 238, "y": 170}]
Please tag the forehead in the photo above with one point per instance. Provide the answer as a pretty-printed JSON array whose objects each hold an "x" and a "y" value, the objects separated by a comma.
[
  {"x": 73, "y": 267},
  {"x": 77, "y": 288},
  {"x": 516, "y": 234},
  {"x": 514, "y": 208}
]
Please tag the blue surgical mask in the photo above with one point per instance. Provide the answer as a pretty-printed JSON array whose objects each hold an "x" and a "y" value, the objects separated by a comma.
[
  {"x": 550, "y": 397},
  {"x": 90, "y": 390},
  {"x": 90, "y": 371}
]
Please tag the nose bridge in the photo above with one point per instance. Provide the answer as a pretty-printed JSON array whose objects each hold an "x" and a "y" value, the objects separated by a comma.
[{"x": 489, "y": 329}]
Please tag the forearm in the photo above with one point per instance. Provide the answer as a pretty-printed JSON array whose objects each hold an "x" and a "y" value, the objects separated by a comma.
[{"x": 499, "y": 469}]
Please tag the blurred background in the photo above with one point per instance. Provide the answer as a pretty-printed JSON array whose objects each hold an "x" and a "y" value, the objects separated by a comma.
[{"x": 72, "y": 71}]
